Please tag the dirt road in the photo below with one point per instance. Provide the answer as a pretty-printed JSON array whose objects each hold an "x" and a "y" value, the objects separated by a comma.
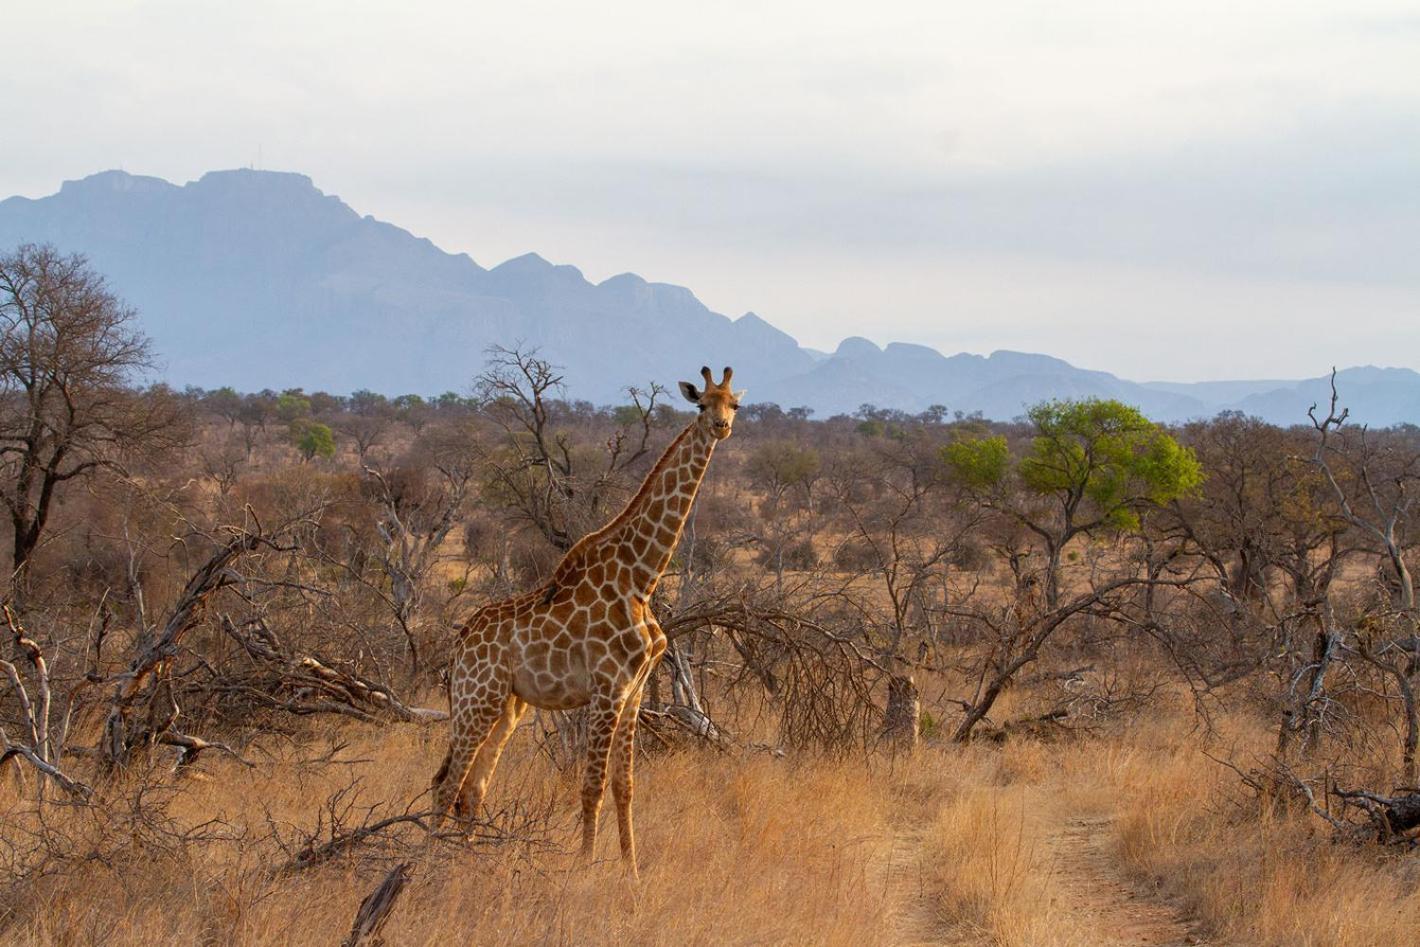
[{"x": 1090, "y": 897}]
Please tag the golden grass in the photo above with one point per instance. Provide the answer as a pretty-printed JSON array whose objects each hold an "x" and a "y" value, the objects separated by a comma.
[
  {"x": 956, "y": 845},
  {"x": 1252, "y": 873},
  {"x": 735, "y": 850}
]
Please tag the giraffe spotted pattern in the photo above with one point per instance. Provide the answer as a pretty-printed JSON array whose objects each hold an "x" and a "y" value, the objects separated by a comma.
[{"x": 584, "y": 638}]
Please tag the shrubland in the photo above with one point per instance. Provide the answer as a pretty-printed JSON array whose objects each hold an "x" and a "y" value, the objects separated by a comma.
[{"x": 905, "y": 649}]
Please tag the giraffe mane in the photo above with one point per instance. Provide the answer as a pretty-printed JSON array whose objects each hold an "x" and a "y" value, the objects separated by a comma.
[{"x": 571, "y": 563}]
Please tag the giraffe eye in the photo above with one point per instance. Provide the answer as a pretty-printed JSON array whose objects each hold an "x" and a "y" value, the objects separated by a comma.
[{"x": 735, "y": 406}]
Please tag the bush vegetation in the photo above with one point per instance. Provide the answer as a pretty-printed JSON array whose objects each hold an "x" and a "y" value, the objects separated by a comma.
[{"x": 228, "y": 616}]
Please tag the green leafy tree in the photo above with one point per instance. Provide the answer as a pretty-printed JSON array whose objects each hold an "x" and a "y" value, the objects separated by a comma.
[
  {"x": 451, "y": 401},
  {"x": 225, "y": 403},
  {"x": 779, "y": 466},
  {"x": 1093, "y": 466},
  {"x": 368, "y": 403},
  {"x": 292, "y": 405},
  {"x": 312, "y": 439},
  {"x": 979, "y": 463},
  {"x": 413, "y": 410}
]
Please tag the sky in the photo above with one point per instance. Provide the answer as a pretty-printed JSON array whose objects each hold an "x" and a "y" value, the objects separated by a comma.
[{"x": 1164, "y": 190}]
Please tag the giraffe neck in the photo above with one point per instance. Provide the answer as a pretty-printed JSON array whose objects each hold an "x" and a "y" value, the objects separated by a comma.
[{"x": 644, "y": 535}]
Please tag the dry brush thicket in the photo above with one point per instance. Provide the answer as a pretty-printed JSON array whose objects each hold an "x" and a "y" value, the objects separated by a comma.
[{"x": 901, "y": 648}]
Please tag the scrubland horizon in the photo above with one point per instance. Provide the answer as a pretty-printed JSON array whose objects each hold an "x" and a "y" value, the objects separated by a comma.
[
  {"x": 352, "y": 585},
  {"x": 259, "y": 279}
]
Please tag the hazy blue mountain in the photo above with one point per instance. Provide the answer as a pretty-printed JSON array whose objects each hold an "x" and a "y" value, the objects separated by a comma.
[
  {"x": 1376, "y": 396},
  {"x": 1001, "y": 385},
  {"x": 259, "y": 280}
]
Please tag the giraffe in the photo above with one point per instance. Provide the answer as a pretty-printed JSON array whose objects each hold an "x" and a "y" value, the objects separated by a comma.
[{"x": 584, "y": 637}]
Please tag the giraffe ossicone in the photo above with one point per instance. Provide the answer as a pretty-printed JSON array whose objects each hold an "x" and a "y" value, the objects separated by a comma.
[{"x": 583, "y": 638}]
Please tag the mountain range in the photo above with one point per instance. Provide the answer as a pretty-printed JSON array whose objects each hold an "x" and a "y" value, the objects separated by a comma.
[{"x": 257, "y": 279}]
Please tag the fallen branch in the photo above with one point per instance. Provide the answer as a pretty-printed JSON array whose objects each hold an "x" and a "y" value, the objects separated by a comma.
[
  {"x": 1391, "y": 816},
  {"x": 189, "y": 747},
  {"x": 72, "y": 786},
  {"x": 307, "y": 677},
  {"x": 375, "y": 909},
  {"x": 316, "y": 854}
]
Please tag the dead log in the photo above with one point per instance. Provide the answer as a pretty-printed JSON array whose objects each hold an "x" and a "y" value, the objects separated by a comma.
[
  {"x": 1392, "y": 816},
  {"x": 318, "y": 686},
  {"x": 375, "y": 909}
]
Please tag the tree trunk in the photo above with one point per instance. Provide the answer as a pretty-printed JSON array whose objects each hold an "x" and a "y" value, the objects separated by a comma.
[
  {"x": 902, "y": 718},
  {"x": 981, "y": 708},
  {"x": 1412, "y": 729}
]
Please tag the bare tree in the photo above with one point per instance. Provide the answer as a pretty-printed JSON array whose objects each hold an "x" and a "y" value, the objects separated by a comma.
[
  {"x": 905, "y": 530},
  {"x": 516, "y": 391},
  {"x": 69, "y": 353},
  {"x": 1375, "y": 496},
  {"x": 223, "y": 462},
  {"x": 419, "y": 503},
  {"x": 1372, "y": 486},
  {"x": 550, "y": 480},
  {"x": 366, "y": 426}
]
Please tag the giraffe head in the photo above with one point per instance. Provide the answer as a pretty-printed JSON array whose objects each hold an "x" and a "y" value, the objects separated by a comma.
[{"x": 717, "y": 403}]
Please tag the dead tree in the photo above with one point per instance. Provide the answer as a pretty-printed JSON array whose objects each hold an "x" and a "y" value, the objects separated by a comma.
[
  {"x": 42, "y": 748},
  {"x": 417, "y": 509},
  {"x": 69, "y": 352},
  {"x": 1372, "y": 491},
  {"x": 142, "y": 710},
  {"x": 1378, "y": 510}
]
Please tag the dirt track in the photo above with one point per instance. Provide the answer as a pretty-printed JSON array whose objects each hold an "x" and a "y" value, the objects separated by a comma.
[
  {"x": 1093, "y": 887},
  {"x": 1092, "y": 895}
]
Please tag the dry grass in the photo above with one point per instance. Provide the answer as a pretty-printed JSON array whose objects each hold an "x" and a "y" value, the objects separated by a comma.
[
  {"x": 958, "y": 845},
  {"x": 735, "y": 850},
  {"x": 1251, "y": 872},
  {"x": 989, "y": 875}
]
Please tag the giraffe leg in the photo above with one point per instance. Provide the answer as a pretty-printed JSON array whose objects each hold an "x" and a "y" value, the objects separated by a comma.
[
  {"x": 623, "y": 758},
  {"x": 623, "y": 754},
  {"x": 467, "y": 732},
  {"x": 601, "y": 728},
  {"x": 475, "y": 786}
]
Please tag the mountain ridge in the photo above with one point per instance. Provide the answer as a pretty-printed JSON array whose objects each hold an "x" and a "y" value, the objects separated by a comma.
[{"x": 259, "y": 279}]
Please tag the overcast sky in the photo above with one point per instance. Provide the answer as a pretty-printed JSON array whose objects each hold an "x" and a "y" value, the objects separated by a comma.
[{"x": 1190, "y": 190}]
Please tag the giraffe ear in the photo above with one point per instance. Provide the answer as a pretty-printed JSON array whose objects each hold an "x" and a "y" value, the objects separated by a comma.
[
  {"x": 740, "y": 395},
  {"x": 691, "y": 393}
]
